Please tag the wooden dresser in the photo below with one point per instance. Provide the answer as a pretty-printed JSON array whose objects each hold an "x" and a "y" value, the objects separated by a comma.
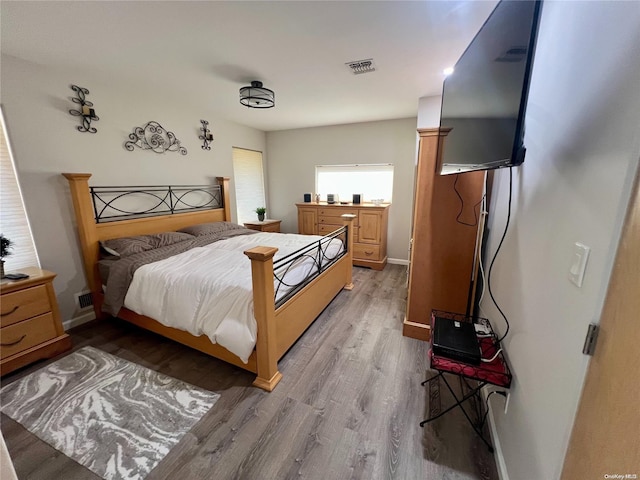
[
  {"x": 369, "y": 238},
  {"x": 30, "y": 323}
]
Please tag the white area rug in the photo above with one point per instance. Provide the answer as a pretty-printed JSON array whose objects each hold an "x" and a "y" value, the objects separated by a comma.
[{"x": 116, "y": 418}]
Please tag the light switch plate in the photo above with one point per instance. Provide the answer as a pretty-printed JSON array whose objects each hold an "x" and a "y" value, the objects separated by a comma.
[{"x": 578, "y": 263}]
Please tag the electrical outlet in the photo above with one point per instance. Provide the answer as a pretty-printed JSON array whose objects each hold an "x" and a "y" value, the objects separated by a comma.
[{"x": 506, "y": 402}]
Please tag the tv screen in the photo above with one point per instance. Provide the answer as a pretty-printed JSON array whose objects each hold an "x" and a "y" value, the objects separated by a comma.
[{"x": 484, "y": 99}]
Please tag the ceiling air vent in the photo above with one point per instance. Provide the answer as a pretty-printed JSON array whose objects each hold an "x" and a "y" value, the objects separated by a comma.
[
  {"x": 513, "y": 55},
  {"x": 361, "y": 66}
]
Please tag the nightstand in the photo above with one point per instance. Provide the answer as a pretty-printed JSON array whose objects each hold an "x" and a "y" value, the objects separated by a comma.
[
  {"x": 265, "y": 226},
  {"x": 30, "y": 324}
]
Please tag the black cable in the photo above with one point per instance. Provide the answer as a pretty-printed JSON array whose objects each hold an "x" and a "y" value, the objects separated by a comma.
[
  {"x": 495, "y": 255},
  {"x": 462, "y": 205}
]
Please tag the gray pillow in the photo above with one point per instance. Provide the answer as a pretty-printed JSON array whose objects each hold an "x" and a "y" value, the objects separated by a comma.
[
  {"x": 125, "y": 246},
  {"x": 212, "y": 228}
]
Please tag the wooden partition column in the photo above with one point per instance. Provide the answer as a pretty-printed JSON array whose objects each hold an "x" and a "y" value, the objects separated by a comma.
[{"x": 442, "y": 246}]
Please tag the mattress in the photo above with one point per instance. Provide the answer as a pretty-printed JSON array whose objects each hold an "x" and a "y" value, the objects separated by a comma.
[{"x": 208, "y": 290}]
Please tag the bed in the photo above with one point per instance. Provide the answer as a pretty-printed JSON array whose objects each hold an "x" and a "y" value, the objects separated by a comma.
[{"x": 283, "y": 309}]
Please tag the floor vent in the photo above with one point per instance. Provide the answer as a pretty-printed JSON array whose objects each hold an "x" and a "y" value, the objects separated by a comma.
[
  {"x": 84, "y": 300},
  {"x": 361, "y": 66}
]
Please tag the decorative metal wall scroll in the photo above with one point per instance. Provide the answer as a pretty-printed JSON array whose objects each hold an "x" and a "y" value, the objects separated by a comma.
[
  {"x": 206, "y": 136},
  {"x": 87, "y": 113},
  {"x": 154, "y": 137}
]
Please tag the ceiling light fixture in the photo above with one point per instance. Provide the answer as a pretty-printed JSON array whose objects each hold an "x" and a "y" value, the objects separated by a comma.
[
  {"x": 448, "y": 71},
  {"x": 256, "y": 96}
]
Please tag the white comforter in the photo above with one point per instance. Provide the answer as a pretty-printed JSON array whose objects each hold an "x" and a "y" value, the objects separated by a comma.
[{"x": 208, "y": 290}]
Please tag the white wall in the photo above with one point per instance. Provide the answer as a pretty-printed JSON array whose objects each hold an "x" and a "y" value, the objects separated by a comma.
[
  {"x": 583, "y": 146},
  {"x": 293, "y": 155},
  {"x": 429, "y": 111},
  {"x": 36, "y": 101}
]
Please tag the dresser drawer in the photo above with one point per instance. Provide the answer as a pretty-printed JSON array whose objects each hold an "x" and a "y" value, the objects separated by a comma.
[
  {"x": 366, "y": 252},
  {"x": 272, "y": 227},
  {"x": 324, "y": 229},
  {"x": 329, "y": 220},
  {"x": 337, "y": 212},
  {"x": 27, "y": 303},
  {"x": 26, "y": 334}
]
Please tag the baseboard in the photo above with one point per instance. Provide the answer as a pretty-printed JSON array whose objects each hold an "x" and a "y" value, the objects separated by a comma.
[
  {"x": 398, "y": 261},
  {"x": 419, "y": 331},
  {"x": 495, "y": 440},
  {"x": 79, "y": 320}
]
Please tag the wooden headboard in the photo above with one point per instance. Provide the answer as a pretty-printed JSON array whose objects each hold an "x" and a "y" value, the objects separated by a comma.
[{"x": 91, "y": 232}]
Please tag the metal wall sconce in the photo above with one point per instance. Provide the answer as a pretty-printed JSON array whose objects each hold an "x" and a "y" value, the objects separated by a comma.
[
  {"x": 85, "y": 111},
  {"x": 206, "y": 136}
]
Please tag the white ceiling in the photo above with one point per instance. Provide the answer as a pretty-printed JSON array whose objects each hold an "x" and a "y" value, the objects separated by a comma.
[{"x": 203, "y": 52}]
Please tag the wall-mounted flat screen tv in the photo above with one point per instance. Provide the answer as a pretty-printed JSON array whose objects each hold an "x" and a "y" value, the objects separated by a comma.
[{"x": 484, "y": 99}]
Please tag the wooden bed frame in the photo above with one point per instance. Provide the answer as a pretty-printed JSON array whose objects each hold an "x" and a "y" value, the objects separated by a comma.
[{"x": 278, "y": 329}]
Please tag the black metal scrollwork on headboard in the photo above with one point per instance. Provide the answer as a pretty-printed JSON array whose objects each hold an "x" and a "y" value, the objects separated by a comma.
[
  {"x": 117, "y": 203},
  {"x": 154, "y": 137}
]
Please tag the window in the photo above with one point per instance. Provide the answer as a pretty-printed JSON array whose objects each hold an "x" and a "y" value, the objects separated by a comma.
[
  {"x": 249, "y": 181},
  {"x": 372, "y": 181},
  {"x": 13, "y": 217}
]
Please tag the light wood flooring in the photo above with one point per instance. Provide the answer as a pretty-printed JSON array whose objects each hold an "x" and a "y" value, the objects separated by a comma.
[{"x": 348, "y": 406}]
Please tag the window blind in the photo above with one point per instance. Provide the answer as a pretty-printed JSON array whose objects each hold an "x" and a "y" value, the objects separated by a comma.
[
  {"x": 14, "y": 224},
  {"x": 249, "y": 183},
  {"x": 374, "y": 181}
]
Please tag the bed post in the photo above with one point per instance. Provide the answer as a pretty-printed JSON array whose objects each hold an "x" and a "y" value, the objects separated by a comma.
[
  {"x": 83, "y": 207},
  {"x": 224, "y": 183},
  {"x": 264, "y": 310},
  {"x": 347, "y": 219}
]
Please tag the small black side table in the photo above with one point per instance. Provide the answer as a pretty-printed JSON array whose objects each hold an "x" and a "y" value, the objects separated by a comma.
[{"x": 494, "y": 372}]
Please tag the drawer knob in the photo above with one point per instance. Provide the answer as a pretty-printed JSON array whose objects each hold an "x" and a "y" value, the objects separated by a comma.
[
  {"x": 10, "y": 311},
  {"x": 368, "y": 253},
  {"x": 10, "y": 344}
]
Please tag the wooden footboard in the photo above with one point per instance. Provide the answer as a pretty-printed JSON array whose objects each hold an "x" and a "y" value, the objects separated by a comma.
[{"x": 278, "y": 329}]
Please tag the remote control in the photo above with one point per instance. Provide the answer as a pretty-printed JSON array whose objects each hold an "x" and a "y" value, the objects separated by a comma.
[{"x": 16, "y": 276}]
